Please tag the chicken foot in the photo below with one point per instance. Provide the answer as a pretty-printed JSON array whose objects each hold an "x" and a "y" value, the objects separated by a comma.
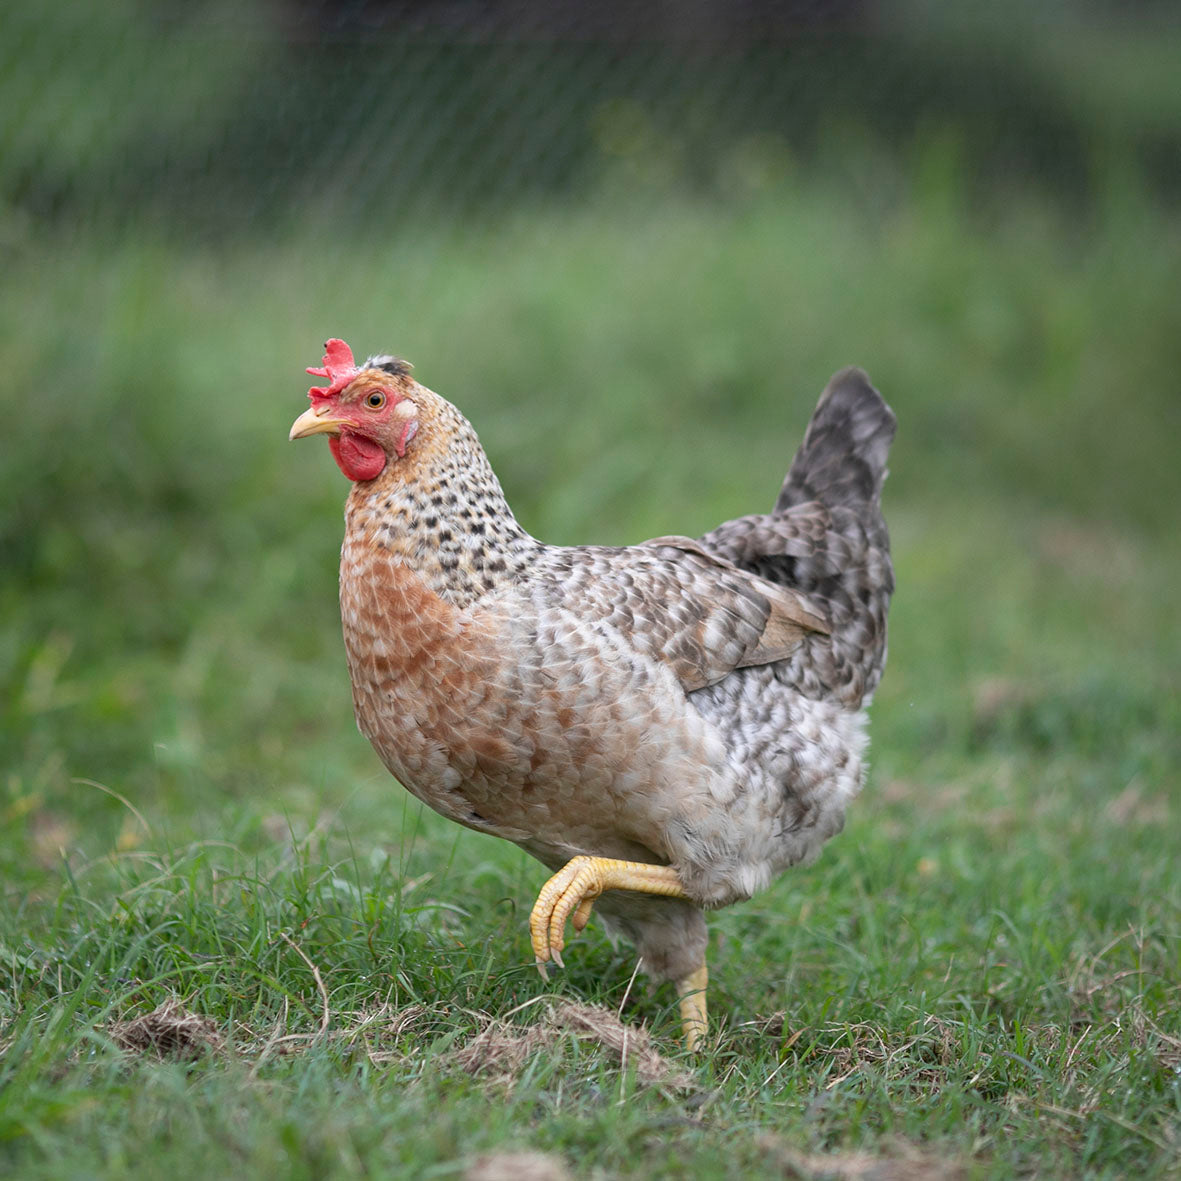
[
  {"x": 571, "y": 893},
  {"x": 694, "y": 1020}
]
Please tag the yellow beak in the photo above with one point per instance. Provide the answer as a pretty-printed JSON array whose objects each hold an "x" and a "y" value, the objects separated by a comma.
[{"x": 315, "y": 422}]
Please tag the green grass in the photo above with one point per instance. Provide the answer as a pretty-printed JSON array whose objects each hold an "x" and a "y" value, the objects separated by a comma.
[{"x": 982, "y": 972}]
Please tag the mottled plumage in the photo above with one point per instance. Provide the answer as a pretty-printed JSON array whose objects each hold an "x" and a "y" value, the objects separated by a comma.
[{"x": 694, "y": 704}]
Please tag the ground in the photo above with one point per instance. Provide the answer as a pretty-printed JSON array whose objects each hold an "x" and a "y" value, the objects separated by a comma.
[{"x": 980, "y": 975}]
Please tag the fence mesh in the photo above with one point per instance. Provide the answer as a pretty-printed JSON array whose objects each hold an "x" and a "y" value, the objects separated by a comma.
[{"x": 224, "y": 115}]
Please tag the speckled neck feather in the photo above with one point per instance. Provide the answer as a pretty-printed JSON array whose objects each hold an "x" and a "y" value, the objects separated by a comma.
[{"x": 442, "y": 510}]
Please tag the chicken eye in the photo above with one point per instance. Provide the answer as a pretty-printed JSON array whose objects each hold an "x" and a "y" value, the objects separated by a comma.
[{"x": 376, "y": 400}]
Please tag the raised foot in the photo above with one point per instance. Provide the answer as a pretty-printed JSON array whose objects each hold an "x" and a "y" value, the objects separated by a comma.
[{"x": 571, "y": 893}]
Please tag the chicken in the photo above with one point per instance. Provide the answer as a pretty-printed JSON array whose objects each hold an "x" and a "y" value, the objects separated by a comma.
[{"x": 666, "y": 726}]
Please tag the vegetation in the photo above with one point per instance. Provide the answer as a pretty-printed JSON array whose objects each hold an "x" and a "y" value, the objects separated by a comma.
[
  {"x": 229, "y": 943},
  {"x": 981, "y": 974}
]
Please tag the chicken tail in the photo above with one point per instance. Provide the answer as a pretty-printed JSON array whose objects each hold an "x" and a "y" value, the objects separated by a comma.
[{"x": 842, "y": 460}]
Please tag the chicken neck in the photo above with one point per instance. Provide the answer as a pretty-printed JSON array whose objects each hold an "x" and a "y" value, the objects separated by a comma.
[{"x": 443, "y": 513}]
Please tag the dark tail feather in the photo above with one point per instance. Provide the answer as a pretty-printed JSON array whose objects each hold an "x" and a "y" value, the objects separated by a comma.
[{"x": 842, "y": 460}]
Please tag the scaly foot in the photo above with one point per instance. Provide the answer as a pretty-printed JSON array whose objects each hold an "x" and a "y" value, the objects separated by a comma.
[
  {"x": 691, "y": 990},
  {"x": 571, "y": 893},
  {"x": 573, "y": 890}
]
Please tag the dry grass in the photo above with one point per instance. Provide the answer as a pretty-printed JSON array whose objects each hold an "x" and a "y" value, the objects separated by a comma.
[
  {"x": 906, "y": 1163},
  {"x": 497, "y": 1053},
  {"x": 500, "y": 1050},
  {"x": 169, "y": 1031},
  {"x": 517, "y": 1166}
]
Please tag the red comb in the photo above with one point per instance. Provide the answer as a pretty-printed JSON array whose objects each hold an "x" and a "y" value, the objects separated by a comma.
[{"x": 339, "y": 367}]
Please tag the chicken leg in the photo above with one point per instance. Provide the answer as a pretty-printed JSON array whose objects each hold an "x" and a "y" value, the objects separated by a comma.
[{"x": 571, "y": 893}]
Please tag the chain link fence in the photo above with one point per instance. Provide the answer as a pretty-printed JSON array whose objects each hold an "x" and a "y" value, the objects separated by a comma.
[{"x": 232, "y": 116}]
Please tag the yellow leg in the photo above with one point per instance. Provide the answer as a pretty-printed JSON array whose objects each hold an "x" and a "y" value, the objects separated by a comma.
[
  {"x": 691, "y": 990},
  {"x": 574, "y": 888},
  {"x": 571, "y": 893}
]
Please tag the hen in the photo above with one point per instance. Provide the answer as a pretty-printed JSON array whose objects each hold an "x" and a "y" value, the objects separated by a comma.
[{"x": 668, "y": 725}]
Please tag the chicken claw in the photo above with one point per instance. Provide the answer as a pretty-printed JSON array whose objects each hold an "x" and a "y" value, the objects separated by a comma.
[
  {"x": 571, "y": 893},
  {"x": 573, "y": 890}
]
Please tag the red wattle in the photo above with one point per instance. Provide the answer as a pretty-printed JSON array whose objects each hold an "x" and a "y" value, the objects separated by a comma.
[{"x": 358, "y": 457}]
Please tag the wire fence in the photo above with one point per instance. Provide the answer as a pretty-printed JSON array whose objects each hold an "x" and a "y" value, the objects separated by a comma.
[{"x": 234, "y": 117}]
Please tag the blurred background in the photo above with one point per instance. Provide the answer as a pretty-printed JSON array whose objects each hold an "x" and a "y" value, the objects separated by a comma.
[{"x": 631, "y": 241}]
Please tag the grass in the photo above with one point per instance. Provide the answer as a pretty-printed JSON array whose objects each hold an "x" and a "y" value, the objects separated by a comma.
[{"x": 980, "y": 975}]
